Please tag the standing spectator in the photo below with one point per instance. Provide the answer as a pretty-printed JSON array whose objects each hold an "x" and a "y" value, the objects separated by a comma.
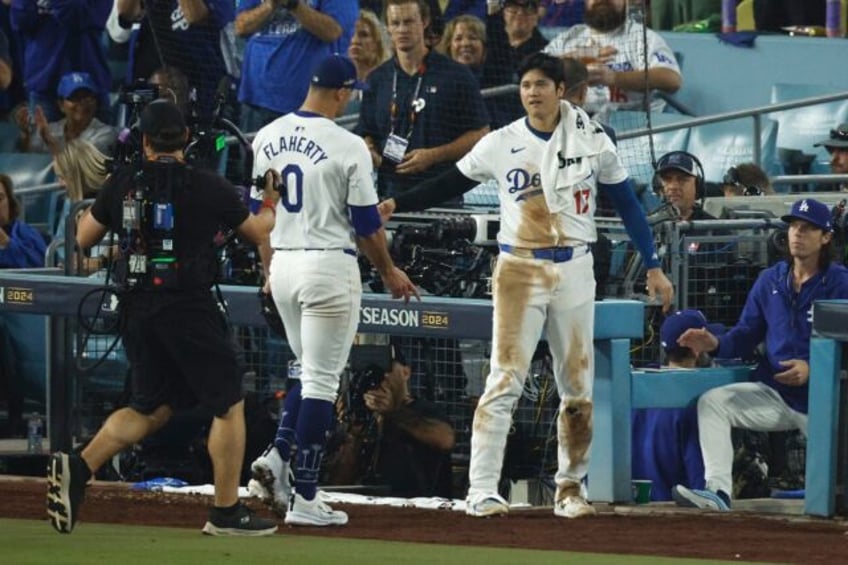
[
  {"x": 549, "y": 167},
  {"x": 778, "y": 314},
  {"x": 422, "y": 111},
  {"x": 286, "y": 39},
  {"x": 611, "y": 45},
  {"x": 454, "y": 8},
  {"x": 61, "y": 36},
  {"x": 186, "y": 34},
  {"x": 78, "y": 103},
  {"x": 177, "y": 340},
  {"x": 837, "y": 146},
  {"x": 21, "y": 246}
]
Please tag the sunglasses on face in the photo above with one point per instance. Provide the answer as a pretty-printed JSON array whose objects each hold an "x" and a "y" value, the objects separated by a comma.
[{"x": 840, "y": 134}]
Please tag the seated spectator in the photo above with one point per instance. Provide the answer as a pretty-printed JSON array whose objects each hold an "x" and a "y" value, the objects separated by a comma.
[
  {"x": 665, "y": 440},
  {"x": 78, "y": 102},
  {"x": 82, "y": 169},
  {"x": 414, "y": 439},
  {"x": 778, "y": 315},
  {"x": 616, "y": 70},
  {"x": 746, "y": 179},
  {"x": 681, "y": 180},
  {"x": 837, "y": 146},
  {"x": 21, "y": 245}
]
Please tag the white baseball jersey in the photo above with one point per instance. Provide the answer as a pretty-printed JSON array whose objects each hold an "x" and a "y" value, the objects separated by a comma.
[
  {"x": 512, "y": 157},
  {"x": 324, "y": 168},
  {"x": 630, "y": 45}
]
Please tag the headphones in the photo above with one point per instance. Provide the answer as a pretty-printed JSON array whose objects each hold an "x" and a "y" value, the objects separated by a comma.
[
  {"x": 732, "y": 177},
  {"x": 663, "y": 163}
]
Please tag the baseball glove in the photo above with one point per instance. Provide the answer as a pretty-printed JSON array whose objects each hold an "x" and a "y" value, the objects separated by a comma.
[{"x": 271, "y": 315}]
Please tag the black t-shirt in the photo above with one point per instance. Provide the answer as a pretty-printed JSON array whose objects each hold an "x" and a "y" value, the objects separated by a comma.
[
  {"x": 203, "y": 203},
  {"x": 410, "y": 467}
]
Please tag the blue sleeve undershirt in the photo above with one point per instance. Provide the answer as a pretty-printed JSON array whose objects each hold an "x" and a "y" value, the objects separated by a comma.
[
  {"x": 365, "y": 219},
  {"x": 624, "y": 200}
]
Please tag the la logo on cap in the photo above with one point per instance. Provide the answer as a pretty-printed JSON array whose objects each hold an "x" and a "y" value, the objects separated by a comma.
[{"x": 804, "y": 207}]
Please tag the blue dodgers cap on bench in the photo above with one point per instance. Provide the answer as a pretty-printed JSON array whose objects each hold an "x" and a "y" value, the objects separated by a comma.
[
  {"x": 811, "y": 211},
  {"x": 676, "y": 324}
]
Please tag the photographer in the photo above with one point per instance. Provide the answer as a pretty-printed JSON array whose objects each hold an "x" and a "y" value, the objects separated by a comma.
[
  {"x": 412, "y": 439},
  {"x": 166, "y": 214}
]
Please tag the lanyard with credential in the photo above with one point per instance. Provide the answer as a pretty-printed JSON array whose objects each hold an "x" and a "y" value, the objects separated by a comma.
[{"x": 413, "y": 107}]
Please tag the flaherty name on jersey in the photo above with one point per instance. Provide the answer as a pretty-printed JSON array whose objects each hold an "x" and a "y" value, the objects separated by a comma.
[{"x": 295, "y": 144}]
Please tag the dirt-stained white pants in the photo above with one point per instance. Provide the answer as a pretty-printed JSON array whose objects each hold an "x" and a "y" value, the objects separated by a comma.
[{"x": 531, "y": 295}]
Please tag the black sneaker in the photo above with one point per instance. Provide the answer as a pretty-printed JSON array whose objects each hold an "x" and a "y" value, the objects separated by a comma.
[
  {"x": 242, "y": 522},
  {"x": 67, "y": 475}
]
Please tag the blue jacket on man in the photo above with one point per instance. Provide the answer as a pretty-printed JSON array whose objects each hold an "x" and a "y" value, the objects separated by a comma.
[{"x": 775, "y": 314}]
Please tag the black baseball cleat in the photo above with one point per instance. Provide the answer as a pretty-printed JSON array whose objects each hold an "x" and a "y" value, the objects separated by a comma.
[
  {"x": 67, "y": 475},
  {"x": 239, "y": 522}
]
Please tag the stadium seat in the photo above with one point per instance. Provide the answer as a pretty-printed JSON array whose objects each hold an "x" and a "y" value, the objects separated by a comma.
[
  {"x": 27, "y": 169},
  {"x": 800, "y": 128},
  {"x": 721, "y": 145}
]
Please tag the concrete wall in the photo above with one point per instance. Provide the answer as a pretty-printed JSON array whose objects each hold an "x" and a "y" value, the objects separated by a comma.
[{"x": 719, "y": 77}]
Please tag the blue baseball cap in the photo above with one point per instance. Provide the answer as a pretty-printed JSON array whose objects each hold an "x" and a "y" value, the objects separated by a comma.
[
  {"x": 72, "y": 82},
  {"x": 678, "y": 160},
  {"x": 812, "y": 212},
  {"x": 336, "y": 71},
  {"x": 676, "y": 324}
]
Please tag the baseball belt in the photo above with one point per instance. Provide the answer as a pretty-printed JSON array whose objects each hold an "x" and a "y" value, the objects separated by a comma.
[{"x": 555, "y": 254}]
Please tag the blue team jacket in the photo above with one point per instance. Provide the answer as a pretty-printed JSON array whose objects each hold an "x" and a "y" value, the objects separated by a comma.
[
  {"x": 781, "y": 318},
  {"x": 25, "y": 249}
]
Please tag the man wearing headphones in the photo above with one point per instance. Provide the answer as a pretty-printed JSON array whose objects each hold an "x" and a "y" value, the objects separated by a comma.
[{"x": 680, "y": 181}]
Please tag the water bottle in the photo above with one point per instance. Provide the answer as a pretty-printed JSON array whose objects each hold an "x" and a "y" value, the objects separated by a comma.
[
  {"x": 833, "y": 22},
  {"x": 728, "y": 16},
  {"x": 34, "y": 433}
]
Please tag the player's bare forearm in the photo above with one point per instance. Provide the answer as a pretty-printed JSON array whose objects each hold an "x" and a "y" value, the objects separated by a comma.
[
  {"x": 265, "y": 254},
  {"x": 322, "y": 26},
  {"x": 195, "y": 11},
  {"x": 432, "y": 432},
  {"x": 248, "y": 22}
]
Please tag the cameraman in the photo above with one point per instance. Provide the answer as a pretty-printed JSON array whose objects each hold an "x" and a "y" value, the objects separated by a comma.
[
  {"x": 177, "y": 340},
  {"x": 412, "y": 438}
]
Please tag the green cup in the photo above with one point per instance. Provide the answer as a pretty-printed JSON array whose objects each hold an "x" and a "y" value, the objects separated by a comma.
[{"x": 641, "y": 491}]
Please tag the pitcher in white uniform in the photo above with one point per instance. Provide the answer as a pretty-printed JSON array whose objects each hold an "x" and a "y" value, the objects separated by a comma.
[{"x": 326, "y": 209}]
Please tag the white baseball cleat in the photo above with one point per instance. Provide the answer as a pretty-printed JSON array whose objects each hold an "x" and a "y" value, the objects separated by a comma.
[
  {"x": 313, "y": 512},
  {"x": 487, "y": 504},
  {"x": 573, "y": 507},
  {"x": 271, "y": 481}
]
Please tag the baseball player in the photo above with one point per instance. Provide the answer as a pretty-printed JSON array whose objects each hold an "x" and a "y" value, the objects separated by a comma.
[
  {"x": 548, "y": 167},
  {"x": 778, "y": 313},
  {"x": 326, "y": 207}
]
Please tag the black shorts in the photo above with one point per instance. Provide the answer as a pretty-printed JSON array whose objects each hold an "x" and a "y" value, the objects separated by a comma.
[{"x": 181, "y": 352}]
